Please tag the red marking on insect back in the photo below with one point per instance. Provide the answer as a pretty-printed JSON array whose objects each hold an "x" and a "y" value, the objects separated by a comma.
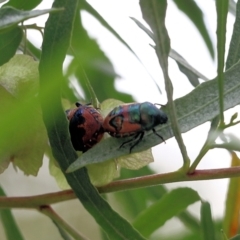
[
  {"x": 85, "y": 127},
  {"x": 133, "y": 120}
]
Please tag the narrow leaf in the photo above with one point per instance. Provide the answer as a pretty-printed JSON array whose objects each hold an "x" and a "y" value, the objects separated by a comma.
[
  {"x": 145, "y": 29},
  {"x": 63, "y": 227},
  {"x": 232, "y": 7},
  {"x": 190, "y": 221},
  {"x": 237, "y": 237},
  {"x": 23, "y": 4},
  {"x": 154, "y": 13},
  {"x": 89, "y": 56},
  {"x": 9, "y": 42},
  {"x": 207, "y": 222},
  {"x": 167, "y": 207},
  {"x": 191, "y": 73},
  {"x": 222, "y": 10},
  {"x": 232, "y": 209},
  {"x": 197, "y": 107},
  {"x": 234, "y": 48},
  {"x": 194, "y": 13},
  {"x": 10, "y": 16},
  {"x": 56, "y": 42},
  {"x": 86, "y": 6},
  {"x": 137, "y": 200},
  {"x": 33, "y": 51},
  {"x": 9, "y": 224}
]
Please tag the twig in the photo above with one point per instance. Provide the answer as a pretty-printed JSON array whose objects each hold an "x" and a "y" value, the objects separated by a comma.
[
  {"x": 121, "y": 185},
  {"x": 48, "y": 211}
]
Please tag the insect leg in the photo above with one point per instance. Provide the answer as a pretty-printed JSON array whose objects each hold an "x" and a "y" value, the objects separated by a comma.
[
  {"x": 154, "y": 131},
  {"x": 138, "y": 141},
  {"x": 135, "y": 136}
]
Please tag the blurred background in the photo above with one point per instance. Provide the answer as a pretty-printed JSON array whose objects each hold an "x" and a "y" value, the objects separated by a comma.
[{"x": 135, "y": 78}]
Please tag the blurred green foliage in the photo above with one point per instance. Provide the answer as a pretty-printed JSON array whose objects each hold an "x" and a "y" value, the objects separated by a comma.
[{"x": 23, "y": 138}]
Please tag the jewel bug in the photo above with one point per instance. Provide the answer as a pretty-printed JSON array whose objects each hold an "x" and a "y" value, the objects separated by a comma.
[
  {"x": 85, "y": 126},
  {"x": 133, "y": 120}
]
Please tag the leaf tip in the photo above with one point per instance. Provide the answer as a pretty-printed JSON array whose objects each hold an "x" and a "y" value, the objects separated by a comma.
[
  {"x": 71, "y": 168},
  {"x": 74, "y": 167}
]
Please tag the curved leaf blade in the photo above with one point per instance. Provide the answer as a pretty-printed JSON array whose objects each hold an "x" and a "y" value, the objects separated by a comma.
[
  {"x": 194, "y": 13},
  {"x": 234, "y": 48},
  {"x": 157, "y": 211},
  {"x": 19, "y": 87},
  {"x": 207, "y": 222},
  {"x": 9, "y": 224},
  {"x": 86, "y": 6},
  {"x": 232, "y": 7},
  {"x": 23, "y": 4},
  {"x": 237, "y": 237},
  {"x": 9, "y": 42},
  {"x": 56, "y": 41},
  {"x": 191, "y": 73},
  {"x": 230, "y": 222},
  {"x": 10, "y": 16},
  {"x": 89, "y": 58},
  {"x": 189, "y": 115}
]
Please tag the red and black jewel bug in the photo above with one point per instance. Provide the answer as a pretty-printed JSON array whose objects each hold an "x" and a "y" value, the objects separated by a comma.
[
  {"x": 85, "y": 126},
  {"x": 133, "y": 120}
]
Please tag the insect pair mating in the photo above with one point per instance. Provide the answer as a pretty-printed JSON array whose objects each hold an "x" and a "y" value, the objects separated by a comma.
[{"x": 87, "y": 126}]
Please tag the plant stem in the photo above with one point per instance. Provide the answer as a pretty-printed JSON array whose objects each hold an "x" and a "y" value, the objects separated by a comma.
[
  {"x": 121, "y": 185},
  {"x": 210, "y": 144},
  {"x": 222, "y": 10},
  {"x": 171, "y": 177},
  {"x": 48, "y": 211},
  {"x": 202, "y": 153},
  {"x": 37, "y": 200}
]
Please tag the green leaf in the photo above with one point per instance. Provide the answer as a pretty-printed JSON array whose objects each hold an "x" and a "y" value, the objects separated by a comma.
[
  {"x": 194, "y": 109},
  {"x": 56, "y": 172},
  {"x": 19, "y": 75},
  {"x": 194, "y": 13},
  {"x": 234, "y": 48},
  {"x": 22, "y": 118},
  {"x": 232, "y": 7},
  {"x": 167, "y": 207},
  {"x": 56, "y": 41},
  {"x": 62, "y": 232},
  {"x": 237, "y": 237},
  {"x": 89, "y": 58},
  {"x": 145, "y": 29},
  {"x": 9, "y": 42},
  {"x": 33, "y": 51},
  {"x": 135, "y": 201},
  {"x": 154, "y": 13},
  {"x": 112, "y": 167},
  {"x": 23, "y": 4},
  {"x": 191, "y": 73},
  {"x": 230, "y": 220},
  {"x": 207, "y": 222},
  {"x": 11, "y": 17},
  {"x": 222, "y": 11},
  {"x": 190, "y": 221},
  {"x": 9, "y": 224},
  {"x": 86, "y": 6}
]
